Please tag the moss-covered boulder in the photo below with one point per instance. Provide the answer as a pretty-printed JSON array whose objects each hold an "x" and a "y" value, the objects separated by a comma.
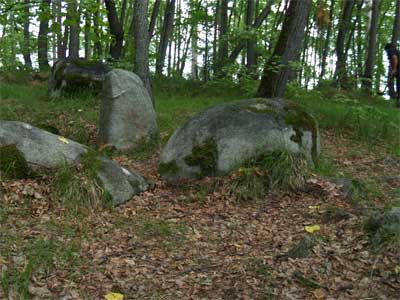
[
  {"x": 42, "y": 149},
  {"x": 12, "y": 163},
  {"x": 221, "y": 138},
  {"x": 72, "y": 74}
]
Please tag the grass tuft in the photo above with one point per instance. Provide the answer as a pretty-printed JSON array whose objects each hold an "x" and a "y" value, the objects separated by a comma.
[{"x": 277, "y": 169}]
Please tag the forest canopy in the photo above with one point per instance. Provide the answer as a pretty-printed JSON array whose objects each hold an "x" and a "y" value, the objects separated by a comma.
[{"x": 205, "y": 40}]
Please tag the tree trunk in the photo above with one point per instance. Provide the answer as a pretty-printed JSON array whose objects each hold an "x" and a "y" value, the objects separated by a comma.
[
  {"x": 87, "y": 34},
  {"x": 42, "y": 36},
  {"x": 215, "y": 39},
  {"x": 74, "y": 29},
  {"x": 141, "y": 36},
  {"x": 251, "y": 42},
  {"x": 194, "y": 70},
  {"x": 277, "y": 70},
  {"x": 96, "y": 23},
  {"x": 344, "y": 26},
  {"x": 165, "y": 34},
  {"x": 223, "y": 39},
  {"x": 370, "y": 63},
  {"x": 327, "y": 40},
  {"x": 154, "y": 14},
  {"x": 257, "y": 23},
  {"x": 27, "y": 45},
  {"x": 395, "y": 39},
  {"x": 116, "y": 30}
]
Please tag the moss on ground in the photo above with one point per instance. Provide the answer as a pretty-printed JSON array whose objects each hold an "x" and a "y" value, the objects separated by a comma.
[
  {"x": 204, "y": 156},
  {"x": 13, "y": 164},
  {"x": 169, "y": 168}
]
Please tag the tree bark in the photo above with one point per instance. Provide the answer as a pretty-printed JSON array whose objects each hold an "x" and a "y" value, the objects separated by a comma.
[
  {"x": 141, "y": 36},
  {"x": 87, "y": 34},
  {"x": 395, "y": 39},
  {"x": 257, "y": 23},
  {"x": 165, "y": 35},
  {"x": 344, "y": 26},
  {"x": 74, "y": 29},
  {"x": 27, "y": 45},
  {"x": 251, "y": 42},
  {"x": 277, "y": 70},
  {"x": 116, "y": 30},
  {"x": 96, "y": 23},
  {"x": 154, "y": 14},
  {"x": 371, "y": 54},
  {"x": 327, "y": 40},
  {"x": 42, "y": 36},
  {"x": 223, "y": 39}
]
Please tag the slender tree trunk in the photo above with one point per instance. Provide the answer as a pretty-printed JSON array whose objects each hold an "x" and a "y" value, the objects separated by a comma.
[
  {"x": 194, "y": 69},
  {"x": 87, "y": 34},
  {"x": 215, "y": 39},
  {"x": 257, "y": 23},
  {"x": 395, "y": 39},
  {"x": 206, "y": 50},
  {"x": 277, "y": 69},
  {"x": 327, "y": 40},
  {"x": 154, "y": 15},
  {"x": 223, "y": 38},
  {"x": 142, "y": 44},
  {"x": 116, "y": 30},
  {"x": 60, "y": 46},
  {"x": 42, "y": 36},
  {"x": 370, "y": 63},
  {"x": 251, "y": 42},
  {"x": 27, "y": 44},
  {"x": 165, "y": 35},
  {"x": 123, "y": 13},
  {"x": 96, "y": 24},
  {"x": 74, "y": 29},
  {"x": 344, "y": 26},
  {"x": 12, "y": 35}
]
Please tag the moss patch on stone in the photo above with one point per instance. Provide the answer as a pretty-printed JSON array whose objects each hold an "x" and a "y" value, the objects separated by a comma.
[
  {"x": 205, "y": 156},
  {"x": 168, "y": 169},
  {"x": 13, "y": 164},
  {"x": 300, "y": 120}
]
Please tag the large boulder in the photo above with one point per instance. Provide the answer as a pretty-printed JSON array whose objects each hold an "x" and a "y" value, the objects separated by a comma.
[
  {"x": 221, "y": 138},
  {"x": 127, "y": 115},
  {"x": 71, "y": 74},
  {"x": 42, "y": 149}
]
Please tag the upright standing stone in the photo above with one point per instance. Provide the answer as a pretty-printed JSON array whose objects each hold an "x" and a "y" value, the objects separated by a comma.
[{"x": 127, "y": 115}]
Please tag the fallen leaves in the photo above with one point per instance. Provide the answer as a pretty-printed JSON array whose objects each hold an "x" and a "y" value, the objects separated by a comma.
[
  {"x": 63, "y": 140},
  {"x": 114, "y": 296},
  {"x": 312, "y": 229}
]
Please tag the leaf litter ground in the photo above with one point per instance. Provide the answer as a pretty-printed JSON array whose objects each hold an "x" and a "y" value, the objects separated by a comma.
[{"x": 194, "y": 241}]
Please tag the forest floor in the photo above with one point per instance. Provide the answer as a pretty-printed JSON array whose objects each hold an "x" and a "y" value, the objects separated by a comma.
[{"x": 195, "y": 241}]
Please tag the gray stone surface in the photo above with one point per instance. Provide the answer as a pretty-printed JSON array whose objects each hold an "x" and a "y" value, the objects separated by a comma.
[
  {"x": 240, "y": 130},
  {"x": 127, "y": 116},
  {"x": 44, "y": 149},
  {"x": 40, "y": 148},
  {"x": 71, "y": 74}
]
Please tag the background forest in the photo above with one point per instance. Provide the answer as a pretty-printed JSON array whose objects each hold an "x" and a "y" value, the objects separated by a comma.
[{"x": 204, "y": 40}]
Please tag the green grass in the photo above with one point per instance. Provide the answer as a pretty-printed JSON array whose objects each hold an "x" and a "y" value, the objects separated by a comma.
[
  {"x": 169, "y": 233},
  {"x": 373, "y": 121},
  {"x": 41, "y": 256},
  {"x": 274, "y": 170}
]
